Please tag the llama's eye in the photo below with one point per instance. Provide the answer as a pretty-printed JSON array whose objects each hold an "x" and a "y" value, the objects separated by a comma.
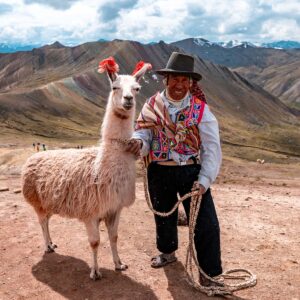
[
  {"x": 115, "y": 88},
  {"x": 137, "y": 89}
]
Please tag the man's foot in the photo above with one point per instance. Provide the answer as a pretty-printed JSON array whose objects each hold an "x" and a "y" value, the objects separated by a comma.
[
  {"x": 162, "y": 260},
  {"x": 206, "y": 282}
]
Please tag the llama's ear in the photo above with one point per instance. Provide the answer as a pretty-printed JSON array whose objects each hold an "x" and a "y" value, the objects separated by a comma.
[
  {"x": 109, "y": 66},
  {"x": 112, "y": 76},
  {"x": 140, "y": 70}
]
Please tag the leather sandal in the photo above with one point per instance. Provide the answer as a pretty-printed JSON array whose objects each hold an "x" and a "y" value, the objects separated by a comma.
[{"x": 162, "y": 260}]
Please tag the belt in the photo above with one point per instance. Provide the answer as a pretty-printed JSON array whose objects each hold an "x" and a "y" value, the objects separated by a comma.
[{"x": 190, "y": 161}]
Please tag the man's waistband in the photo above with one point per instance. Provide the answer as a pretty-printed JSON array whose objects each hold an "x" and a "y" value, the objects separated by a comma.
[{"x": 191, "y": 161}]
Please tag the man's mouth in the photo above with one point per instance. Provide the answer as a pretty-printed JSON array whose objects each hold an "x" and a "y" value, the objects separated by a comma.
[{"x": 179, "y": 92}]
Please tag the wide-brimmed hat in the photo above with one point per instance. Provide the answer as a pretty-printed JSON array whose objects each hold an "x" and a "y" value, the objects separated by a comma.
[{"x": 181, "y": 64}]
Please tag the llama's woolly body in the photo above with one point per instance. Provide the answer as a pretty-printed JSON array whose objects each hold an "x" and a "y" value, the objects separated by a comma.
[
  {"x": 91, "y": 184},
  {"x": 69, "y": 183}
]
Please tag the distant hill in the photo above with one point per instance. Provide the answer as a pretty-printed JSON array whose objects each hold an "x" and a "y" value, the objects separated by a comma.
[
  {"x": 282, "y": 45},
  {"x": 11, "y": 48},
  {"x": 15, "y": 47},
  {"x": 55, "y": 92}
]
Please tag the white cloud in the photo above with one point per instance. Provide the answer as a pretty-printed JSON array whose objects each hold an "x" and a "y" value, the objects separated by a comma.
[
  {"x": 78, "y": 21},
  {"x": 40, "y": 23},
  {"x": 280, "y": 30}
]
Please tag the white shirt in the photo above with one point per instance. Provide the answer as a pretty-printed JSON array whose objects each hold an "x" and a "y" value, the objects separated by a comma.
[{"x": 210, "y": 150}]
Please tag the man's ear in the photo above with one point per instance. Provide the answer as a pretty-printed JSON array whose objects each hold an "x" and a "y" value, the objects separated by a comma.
[{"x": 166, "y": 80}]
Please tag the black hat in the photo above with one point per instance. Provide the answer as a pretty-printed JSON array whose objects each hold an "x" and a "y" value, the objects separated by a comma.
[{"x": 181, "y": 64}]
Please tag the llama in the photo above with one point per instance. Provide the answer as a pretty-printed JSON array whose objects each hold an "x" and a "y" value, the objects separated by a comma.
[{"x": 92, "y": 184}]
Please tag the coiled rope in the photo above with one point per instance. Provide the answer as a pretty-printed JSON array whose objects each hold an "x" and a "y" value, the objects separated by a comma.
[{"x": 218, "y": 287}]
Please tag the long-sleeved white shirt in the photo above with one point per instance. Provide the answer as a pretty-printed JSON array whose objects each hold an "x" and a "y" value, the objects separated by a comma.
[{"x": 210, "y": 150}]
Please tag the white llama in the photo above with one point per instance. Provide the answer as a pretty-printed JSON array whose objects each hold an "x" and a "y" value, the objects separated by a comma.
[{"x": 91, "y": 184}]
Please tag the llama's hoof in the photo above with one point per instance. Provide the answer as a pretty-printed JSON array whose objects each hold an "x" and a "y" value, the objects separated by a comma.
[
  {"x": 121, "y": 267},
  {"x": 50, "y": 248},
  {"x": 95, "y": 274}
]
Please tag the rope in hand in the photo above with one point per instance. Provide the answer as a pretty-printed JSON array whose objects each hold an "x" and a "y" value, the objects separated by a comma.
[{"x": 220, "y": 287}]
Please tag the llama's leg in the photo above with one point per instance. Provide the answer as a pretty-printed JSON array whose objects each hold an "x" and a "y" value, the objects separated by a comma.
[
  {"x": 92, "y": 227},
  {"x": 112, "y": 223},
  {"x": 44, "y": 222}
]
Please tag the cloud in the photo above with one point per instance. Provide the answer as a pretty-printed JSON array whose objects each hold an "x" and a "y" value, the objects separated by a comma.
[
  {"x": 57, "y": 4},
  {"x": 110, "y": 10},
  {"x": 5, "y": 8},
  {"x": 78, "y": 21},
  {"x": 280, "y": 29}
]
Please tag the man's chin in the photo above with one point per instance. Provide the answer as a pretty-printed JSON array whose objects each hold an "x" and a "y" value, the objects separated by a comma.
[{"x": 178, "y": 96}]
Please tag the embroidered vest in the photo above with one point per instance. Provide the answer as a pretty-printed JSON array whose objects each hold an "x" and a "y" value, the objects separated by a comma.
[{"x": 186, "y": 138}]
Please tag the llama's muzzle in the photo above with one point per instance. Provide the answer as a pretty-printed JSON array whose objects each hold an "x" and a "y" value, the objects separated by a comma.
[{"x": 128, "y": 102}]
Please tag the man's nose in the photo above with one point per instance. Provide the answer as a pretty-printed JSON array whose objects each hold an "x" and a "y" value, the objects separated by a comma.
[{"x": 179, "y": 85}]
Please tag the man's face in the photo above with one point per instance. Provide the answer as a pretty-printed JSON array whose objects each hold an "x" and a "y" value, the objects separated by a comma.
[{"x": 178, "y": 86}]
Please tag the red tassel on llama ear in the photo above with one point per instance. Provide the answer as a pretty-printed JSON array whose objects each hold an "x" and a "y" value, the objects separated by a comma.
[
  {"x": 140, "y": 65},
  {"x": 140, "y": 69},
  {"x": 109, "y": 65}
]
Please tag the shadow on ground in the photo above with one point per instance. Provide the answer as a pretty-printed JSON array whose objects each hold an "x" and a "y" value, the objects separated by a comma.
[
  {"x": 179, "y": 287},
  {"x": 69, "y": 276}
]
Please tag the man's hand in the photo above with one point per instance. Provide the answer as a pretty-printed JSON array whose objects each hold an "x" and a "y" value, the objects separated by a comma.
[
  {"x": 134, "y": 146},
  {"x": 198, "y": 187}
]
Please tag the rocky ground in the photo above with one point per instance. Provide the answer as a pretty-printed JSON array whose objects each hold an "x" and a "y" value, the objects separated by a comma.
[{"x": 259, "y": 212}]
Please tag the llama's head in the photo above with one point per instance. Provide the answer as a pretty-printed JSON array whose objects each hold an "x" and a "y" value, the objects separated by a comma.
[{"x": 123, "y": 87}]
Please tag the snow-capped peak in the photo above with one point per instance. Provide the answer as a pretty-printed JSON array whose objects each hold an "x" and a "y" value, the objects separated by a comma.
[
  {"x": 236, "y": 43},
  {"x": 202, "y": 42}
]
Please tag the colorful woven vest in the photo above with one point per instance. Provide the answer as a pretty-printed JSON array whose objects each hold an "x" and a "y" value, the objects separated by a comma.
[{"x": 185, "y": 140}]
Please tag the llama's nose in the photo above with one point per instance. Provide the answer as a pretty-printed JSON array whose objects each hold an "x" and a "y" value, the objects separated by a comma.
[
  {"x": 128, "y": 103},
  {"x": 128, "y": 98}
]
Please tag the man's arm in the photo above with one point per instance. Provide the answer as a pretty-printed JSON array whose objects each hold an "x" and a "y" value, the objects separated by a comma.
[{"x": 210, "y": 152}]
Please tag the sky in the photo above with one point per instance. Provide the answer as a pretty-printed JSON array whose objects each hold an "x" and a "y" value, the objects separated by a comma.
[{"x": 73, "y": 22}]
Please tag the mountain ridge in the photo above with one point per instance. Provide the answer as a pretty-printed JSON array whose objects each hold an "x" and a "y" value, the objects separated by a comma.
[
  {"x": 280, "y": 44},
  {"x": 63, "y": 96}
]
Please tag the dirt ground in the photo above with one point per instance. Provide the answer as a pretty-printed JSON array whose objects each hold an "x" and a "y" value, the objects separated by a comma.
[{"x": 259, "y": 213}]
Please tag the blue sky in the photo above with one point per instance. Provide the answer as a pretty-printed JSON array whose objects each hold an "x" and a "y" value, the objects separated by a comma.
[{"x": 79, "y": 21}]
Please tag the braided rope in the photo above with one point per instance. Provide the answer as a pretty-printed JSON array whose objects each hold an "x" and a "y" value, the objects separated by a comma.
[{"x": 220, "y": 287}]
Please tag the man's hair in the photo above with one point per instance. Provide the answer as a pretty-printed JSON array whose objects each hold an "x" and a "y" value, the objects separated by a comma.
[{"x": 166, "y": 78}]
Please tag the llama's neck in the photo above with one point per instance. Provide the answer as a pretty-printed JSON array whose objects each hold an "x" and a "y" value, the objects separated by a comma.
[{"x": 116, "y": 124}]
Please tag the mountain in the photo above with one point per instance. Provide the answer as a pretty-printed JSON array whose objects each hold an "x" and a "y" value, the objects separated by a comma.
[
  {"x": 274, "y": 45},
  {"x": 239, "y": 55},
  {"x": 11, "y": 48},
  {"x": 282, "y": 80},
  {"x": 245, "y": 44},
  {"x": 273, "y": 69},
  {"x": 236, "y": 43},
  {"x": 56, "y": 93},
  {"x": 282, "y": 45}
]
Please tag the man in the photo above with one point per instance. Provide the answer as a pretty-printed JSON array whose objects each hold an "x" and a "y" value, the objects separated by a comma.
[{"x": 179, "y": 135}]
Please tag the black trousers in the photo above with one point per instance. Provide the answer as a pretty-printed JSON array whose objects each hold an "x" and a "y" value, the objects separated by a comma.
[{"x": 164, "y": 184}]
